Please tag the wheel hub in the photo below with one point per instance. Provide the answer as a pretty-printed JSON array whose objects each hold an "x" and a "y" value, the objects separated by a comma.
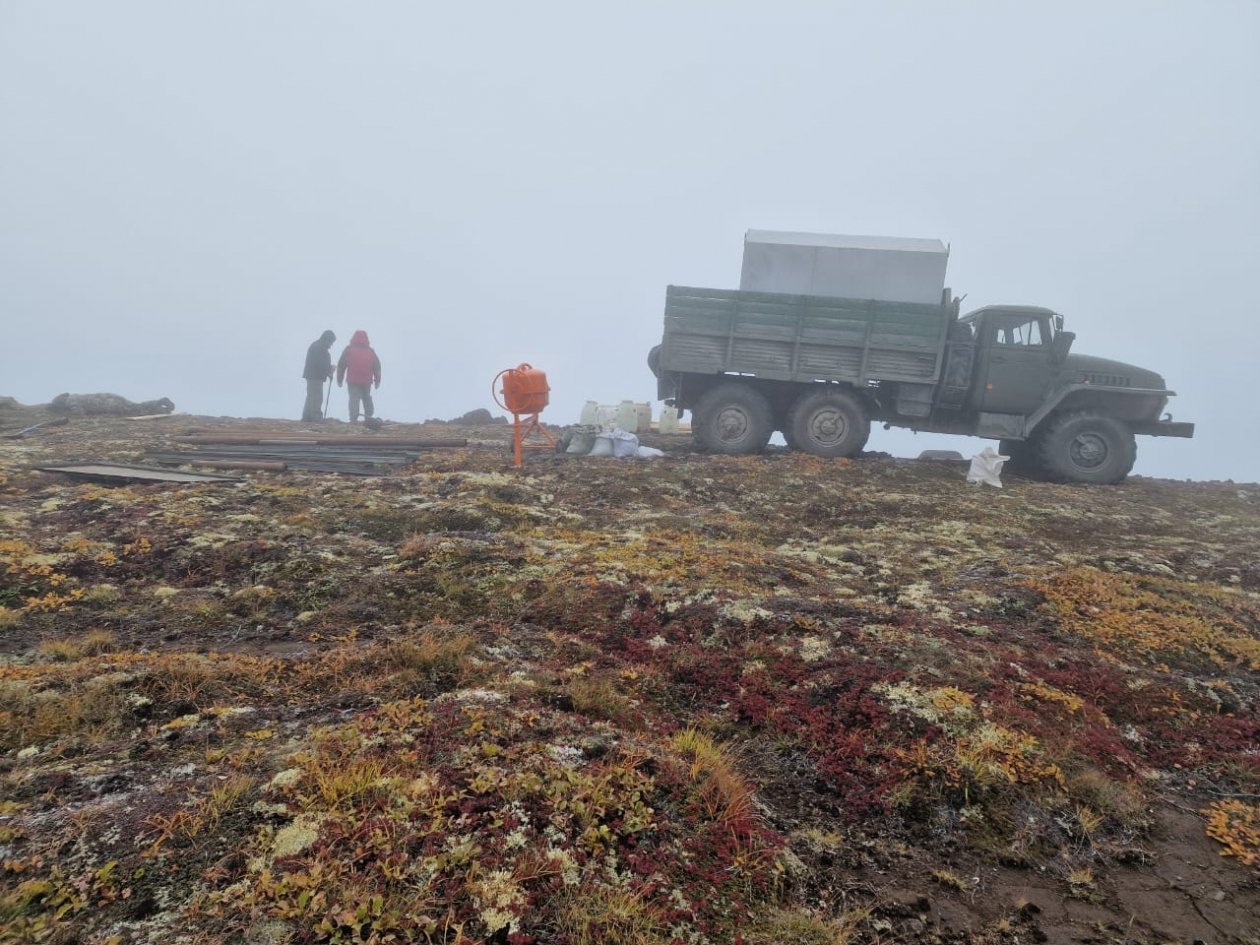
[
  {"x": 828, "y": 426},
  {"x": 1088, "y": 450},
  {"x": 732, "y": 424}
]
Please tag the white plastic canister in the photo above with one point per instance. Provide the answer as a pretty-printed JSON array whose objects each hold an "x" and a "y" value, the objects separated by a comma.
[{"x": 628, "y": 416}]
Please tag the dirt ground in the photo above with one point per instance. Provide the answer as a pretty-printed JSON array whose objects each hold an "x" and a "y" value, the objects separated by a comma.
[{"x": 689, "y": 699}]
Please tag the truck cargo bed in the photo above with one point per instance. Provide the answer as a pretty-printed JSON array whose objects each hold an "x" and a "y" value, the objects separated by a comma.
[{"x": 802, "y": 337}]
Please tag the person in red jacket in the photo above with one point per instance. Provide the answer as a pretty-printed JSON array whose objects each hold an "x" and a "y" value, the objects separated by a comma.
[{"x": 360, "y": 368}]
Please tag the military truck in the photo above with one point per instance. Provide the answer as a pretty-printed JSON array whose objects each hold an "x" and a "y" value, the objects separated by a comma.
[{"x": 820, "y": 369}]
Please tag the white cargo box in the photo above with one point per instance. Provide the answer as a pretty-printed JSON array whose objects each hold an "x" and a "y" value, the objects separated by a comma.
[{"x": 890, "y": 268}]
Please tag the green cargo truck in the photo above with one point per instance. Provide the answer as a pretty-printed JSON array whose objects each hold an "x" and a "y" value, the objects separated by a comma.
[{"x": 821, "y": 369}]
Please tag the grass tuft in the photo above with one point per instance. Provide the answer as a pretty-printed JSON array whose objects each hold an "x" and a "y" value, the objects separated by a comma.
[
  {"x": 92, "y": 643},
  {"x": 617, "y": 917}
]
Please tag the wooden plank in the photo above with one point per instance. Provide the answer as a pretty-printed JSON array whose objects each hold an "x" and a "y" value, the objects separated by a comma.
[
  {"x": 260, "y": 465},
  {"x": 123, "y": 472},
  {"x": 367, "y": 441}
]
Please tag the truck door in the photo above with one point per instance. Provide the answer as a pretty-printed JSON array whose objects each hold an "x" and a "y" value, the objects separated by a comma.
[{"x": 1018, "y": 367}]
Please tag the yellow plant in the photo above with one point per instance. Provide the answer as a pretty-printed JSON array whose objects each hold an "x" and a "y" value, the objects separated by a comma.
[
  {"x": 1236, "y": 826},
  {"x": 1156, "y": 615},
  {"x": 597, "y": 698},
  {"x": 52, "y": 601},
  {"x": 950, "y": 880},
  {"x": 1089, "y": 820},
  {"x": 948, "y": 699},
  {"x": 1101, "y": 796},
  {"x": 613, "y": 917},
  {"x": 141, "y": 546},
  {"x": 993, "y": 754},
  {"x": 224, "y": 799},
  {"x": 1047, "y": 693},
  {"x": 779, "y": 926},
  {"x": 92, "y": 643},
  {"x": 723, "y": 792},
  {"x": 189, "y": 823},
  {"x": 337, "y": 782},
  {"x": 1081, "y": 884},
  {"x": 1082, "y": 877}
]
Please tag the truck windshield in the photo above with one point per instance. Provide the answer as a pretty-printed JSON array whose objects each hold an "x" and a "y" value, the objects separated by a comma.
[{"x": 1021, "y": 330}]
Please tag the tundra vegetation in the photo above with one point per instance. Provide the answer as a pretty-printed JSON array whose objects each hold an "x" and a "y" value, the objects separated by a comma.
[{"x": 702, "y": 699}]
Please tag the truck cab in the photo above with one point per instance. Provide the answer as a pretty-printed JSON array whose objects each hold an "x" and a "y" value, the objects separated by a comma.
[
  {"x": 1071, "y": 416},
  {"x": 1019, "y": 353}
]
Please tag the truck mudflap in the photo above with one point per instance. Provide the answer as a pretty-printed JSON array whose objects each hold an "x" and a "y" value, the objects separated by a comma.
[{"x": 1162, "y": 428}]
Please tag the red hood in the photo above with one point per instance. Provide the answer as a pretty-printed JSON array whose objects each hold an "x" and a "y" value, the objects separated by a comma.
[{"x": 359, "y": 339}]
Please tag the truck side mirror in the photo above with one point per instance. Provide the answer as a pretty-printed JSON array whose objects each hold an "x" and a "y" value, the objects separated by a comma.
[{"x": 1061, "y": 345}]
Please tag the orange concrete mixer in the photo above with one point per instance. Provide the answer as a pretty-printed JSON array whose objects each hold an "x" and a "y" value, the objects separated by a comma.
[{"x": 524, "y": 394}]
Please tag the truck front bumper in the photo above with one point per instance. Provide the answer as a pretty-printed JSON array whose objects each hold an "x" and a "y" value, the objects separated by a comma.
[{"x": 1162, "y": 428}]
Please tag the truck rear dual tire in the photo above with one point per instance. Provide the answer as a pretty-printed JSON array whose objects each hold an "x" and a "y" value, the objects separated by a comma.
[
  {"x": 1086, "y": 447},
  {"x": 828, "y": 423},
  {"x": 734, "y": 419}
]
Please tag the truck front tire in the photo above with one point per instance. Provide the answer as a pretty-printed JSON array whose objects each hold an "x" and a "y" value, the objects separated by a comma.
[
  {"x": 1086, "y": 447},
  {"x": 828, "y": 423},
  {"x": 734, "y": 419}
]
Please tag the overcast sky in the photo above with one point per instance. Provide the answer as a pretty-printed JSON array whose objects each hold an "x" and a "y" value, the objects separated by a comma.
[{"x": 190, "y": 192}]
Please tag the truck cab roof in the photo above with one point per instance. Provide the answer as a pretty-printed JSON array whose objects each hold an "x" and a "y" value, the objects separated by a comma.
[{"x": 1010, "y": 310}]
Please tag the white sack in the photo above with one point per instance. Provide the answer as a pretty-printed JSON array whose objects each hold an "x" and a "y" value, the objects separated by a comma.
[
  {"x": 623, "y": 444},
  {"x": 648, "y": 452},
  {"x": 986, "y": 467}
]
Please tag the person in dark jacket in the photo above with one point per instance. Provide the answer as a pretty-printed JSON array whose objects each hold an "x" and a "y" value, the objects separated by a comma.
[
  {"x": 361, "y": 369},
  {"x": 318, "y": 370}
]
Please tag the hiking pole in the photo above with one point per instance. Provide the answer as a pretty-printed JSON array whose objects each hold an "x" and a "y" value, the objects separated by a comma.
[{"x": 327, "y": 397}]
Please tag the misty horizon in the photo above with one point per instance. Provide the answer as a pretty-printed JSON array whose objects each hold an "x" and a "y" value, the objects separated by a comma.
[{"x": 190, "y": 194}]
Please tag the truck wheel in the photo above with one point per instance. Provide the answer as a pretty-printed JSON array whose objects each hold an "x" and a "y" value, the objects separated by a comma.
[
  {"x": 733, "y": 419},
  {"x": 828, "y": 423},
  {"x": 1084, "y": 447}
]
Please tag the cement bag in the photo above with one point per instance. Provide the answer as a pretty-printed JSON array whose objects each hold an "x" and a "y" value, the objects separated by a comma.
[
  {"x": 603, "y": 446},
  {"x": 648, "y": 452},
  {"x": 582, "y": 440},
  {"x": 986, "y": 467},
  {"x": 623, "y": 444}
]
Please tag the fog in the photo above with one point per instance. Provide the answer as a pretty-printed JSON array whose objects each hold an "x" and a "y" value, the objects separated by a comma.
[{"x": 191, "y": 192}]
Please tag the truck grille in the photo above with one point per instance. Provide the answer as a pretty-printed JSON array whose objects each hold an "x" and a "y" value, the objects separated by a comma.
[{"x": 1108, "y": 380}]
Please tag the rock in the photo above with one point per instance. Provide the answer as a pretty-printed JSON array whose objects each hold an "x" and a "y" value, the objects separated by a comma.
[
  {"x": 474, "y": 418},
  {"x": 107, "y": 405}
]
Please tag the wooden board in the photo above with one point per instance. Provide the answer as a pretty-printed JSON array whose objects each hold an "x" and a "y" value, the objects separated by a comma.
[{"x": 121, "y": 472}]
